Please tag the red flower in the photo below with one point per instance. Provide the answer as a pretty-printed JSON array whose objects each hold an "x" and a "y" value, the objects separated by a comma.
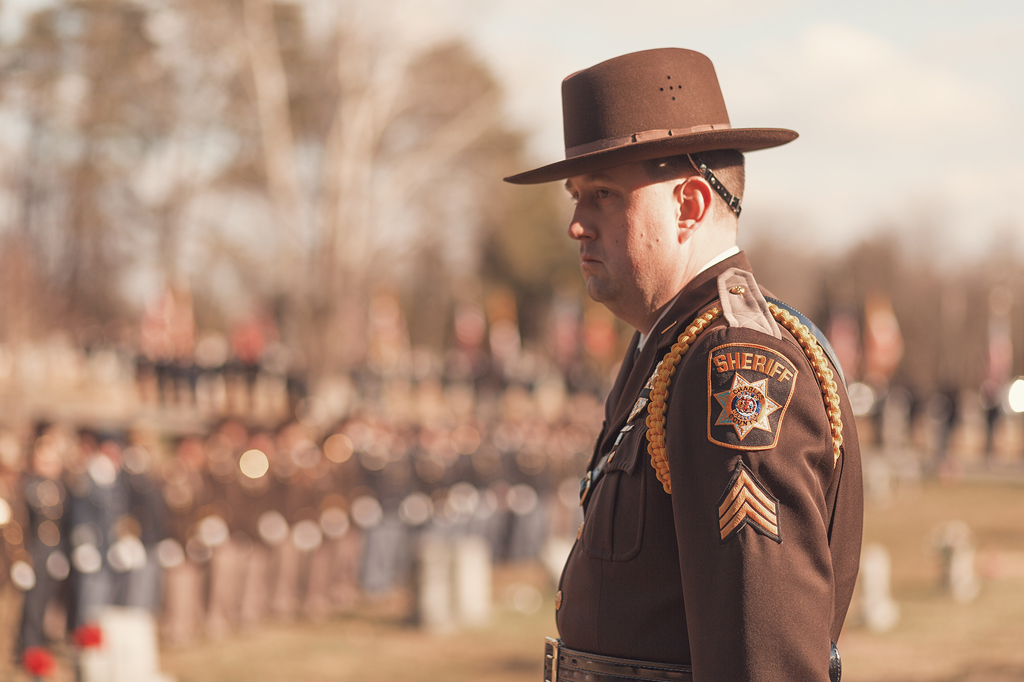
[
  {"x": 38, "y": 661},
  {"x": 88, "y": 635}
]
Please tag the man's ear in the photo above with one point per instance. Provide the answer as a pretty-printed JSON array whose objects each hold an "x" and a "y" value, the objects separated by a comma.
[{"x": 693, "y": 204}]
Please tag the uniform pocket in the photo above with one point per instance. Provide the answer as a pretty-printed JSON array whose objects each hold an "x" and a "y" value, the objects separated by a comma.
[
  {"x": 613, "y": 529},
  {"x": 630, "y": 450}
]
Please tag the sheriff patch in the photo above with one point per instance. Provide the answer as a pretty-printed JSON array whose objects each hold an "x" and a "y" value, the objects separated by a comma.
[{"x": 749, "y": 389}]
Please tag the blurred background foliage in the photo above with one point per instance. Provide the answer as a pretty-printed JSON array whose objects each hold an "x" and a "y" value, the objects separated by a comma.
[{"x": 280, "y": 160}]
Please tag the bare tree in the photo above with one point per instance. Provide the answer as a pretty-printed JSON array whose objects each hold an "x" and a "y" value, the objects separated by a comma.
[{"x": 215, "y": 144}]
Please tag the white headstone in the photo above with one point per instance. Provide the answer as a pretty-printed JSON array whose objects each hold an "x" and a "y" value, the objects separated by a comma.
[
  {"x": 434, "y": 584},
  {"x": 955, "y": 545},
  {"x": 129, "y": 649},
  {"x": 879, "y": 611},
  {"x": 878, "y": 479},
  {"x": 473, "y": 583}
]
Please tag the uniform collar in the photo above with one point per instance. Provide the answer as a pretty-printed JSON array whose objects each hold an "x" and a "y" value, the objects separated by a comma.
[
  {"x": 696, "y": 295},
  {"x": 731, "y": 251}
]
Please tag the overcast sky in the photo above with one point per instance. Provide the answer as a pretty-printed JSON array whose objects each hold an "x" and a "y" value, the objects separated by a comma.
[{"x": 909, "y": 111}]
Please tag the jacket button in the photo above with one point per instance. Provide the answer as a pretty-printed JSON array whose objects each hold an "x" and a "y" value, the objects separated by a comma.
[
  {"x": 738, "y": 289},
  {"x": 558, "y": 600}
]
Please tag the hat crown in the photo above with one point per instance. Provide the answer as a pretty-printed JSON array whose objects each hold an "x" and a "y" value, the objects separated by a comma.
[
  {"x": 654, "y": 90},
  {"x": 646, "y": 105}
]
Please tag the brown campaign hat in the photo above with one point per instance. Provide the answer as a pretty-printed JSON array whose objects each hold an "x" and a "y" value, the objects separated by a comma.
[{"x": 645, "y": 105}]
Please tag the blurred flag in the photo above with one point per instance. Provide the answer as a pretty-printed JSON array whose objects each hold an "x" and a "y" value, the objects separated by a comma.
[
  {"x": 883, "y": 342},
  {"x": 564, "y": 332},
  {"x": 1000, "y": 344},
  {"x": 250, "y": 336},
  {"x": 168, "y": 326},
  {"x": 843, "y": 333},
  {"x": 600, "y": 339},
  {"x": 388, "y": 340},
  {"x": 503, "y": 321}
]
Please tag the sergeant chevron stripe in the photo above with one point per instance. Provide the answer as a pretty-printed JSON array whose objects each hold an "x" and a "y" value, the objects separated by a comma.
[{"x": 747, "y": 503}]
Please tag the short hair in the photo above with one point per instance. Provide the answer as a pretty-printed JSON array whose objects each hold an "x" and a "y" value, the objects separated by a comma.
[{"x": 726, "y": 164}]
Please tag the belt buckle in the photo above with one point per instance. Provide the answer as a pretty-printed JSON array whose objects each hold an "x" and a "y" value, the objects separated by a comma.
[{"x": 553, "y": 656}]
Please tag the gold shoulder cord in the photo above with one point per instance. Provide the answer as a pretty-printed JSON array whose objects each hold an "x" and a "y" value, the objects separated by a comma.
[
  {"x": 659, "y": 392},
  {"x": 663, "y": 377}
]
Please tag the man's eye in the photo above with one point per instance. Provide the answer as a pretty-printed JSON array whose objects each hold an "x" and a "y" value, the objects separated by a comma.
[{"x": 602, "y": 194}]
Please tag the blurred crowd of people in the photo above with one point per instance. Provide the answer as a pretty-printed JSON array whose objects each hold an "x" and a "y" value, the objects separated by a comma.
[
  {"x": 225, "y": 526},
  {"x": 214, "y": 488}
]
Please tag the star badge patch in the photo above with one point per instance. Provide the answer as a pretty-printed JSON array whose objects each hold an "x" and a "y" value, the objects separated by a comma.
[
  {"x": 746, "y": 406},
  {"x": 749, "y": 389}
]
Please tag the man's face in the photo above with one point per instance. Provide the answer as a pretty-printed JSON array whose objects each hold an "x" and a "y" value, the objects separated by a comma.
[{"x": 626, "y": 226}]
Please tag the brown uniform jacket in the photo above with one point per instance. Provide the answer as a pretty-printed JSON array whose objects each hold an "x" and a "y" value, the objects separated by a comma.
[{"x": 747, "y": 569}]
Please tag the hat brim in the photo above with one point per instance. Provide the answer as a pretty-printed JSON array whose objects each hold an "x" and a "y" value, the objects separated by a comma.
[{"x": 741, "y": 139}]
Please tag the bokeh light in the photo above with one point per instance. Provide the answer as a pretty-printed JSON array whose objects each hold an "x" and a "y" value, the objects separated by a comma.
[
  {"x": 334, "y": 521},
  {"x": 307, "y": 535},
  {"x": 367, "y": 512},
  {"x": 862, "y": 398},
  {"x": 22, "y": 575},
  {"x": 338, "y": 448},
  {"x": 272, "y": 527},
  {"x": 1016, "y": 395},
  {"x": 254, "y": 464},
  {"x": 57, "y": 565}
]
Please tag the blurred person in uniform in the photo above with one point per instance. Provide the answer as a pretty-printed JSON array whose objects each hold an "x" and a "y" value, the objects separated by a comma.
[
  {"x": 385, "y": 557},
  {"x": 185, "y": 493},
  {"x": 99, "y": 500},
  {"x": 343, "y": 540},
  {"x": 311, "y": 486},
  {"x": 723, "y": 503},
  {"x": 287, "y": 498},
  {"x": 45, "y": 537},
  {"x": 13, "y": 518},
  {"x": 147, "y": 522},
  {"x": 261, "y": 523},
  {"x": 222, "y": 521}
]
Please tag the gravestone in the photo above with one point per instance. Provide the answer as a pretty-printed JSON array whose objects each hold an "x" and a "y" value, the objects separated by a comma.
[
  {"x": 880, "y": 613},
  {"x": 128, "y": 652},
  {"x": 955, "y": 545},
  {"x": 473, "y": 580},
  {"x": 434, "y": 584},
  {"x": 878, "y": 479}
]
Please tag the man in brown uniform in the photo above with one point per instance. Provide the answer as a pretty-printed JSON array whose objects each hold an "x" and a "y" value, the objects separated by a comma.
[{"x": 723, "y": 503}]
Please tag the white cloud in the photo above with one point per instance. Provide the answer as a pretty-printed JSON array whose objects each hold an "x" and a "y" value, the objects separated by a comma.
[{"x": 848, "y": 80}]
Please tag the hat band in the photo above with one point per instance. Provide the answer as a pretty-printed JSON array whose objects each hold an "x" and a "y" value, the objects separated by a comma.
[{"x": 645, "y": 136}]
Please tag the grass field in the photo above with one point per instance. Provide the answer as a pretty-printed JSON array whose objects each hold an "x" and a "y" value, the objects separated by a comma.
[{"x": 936, "y": 639}]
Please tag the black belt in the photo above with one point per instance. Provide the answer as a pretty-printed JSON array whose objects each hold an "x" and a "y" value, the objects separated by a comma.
[{"x": 561, "y": 665}]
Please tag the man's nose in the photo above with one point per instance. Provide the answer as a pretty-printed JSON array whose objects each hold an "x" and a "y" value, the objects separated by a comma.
[{"x": 577, "y": 229}]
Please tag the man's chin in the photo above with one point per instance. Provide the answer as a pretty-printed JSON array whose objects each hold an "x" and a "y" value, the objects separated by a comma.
[{"x": 598, "y": 290}]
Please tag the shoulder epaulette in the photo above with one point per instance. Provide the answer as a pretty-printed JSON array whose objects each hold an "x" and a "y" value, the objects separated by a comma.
[{"x": 743, "y": 305}]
